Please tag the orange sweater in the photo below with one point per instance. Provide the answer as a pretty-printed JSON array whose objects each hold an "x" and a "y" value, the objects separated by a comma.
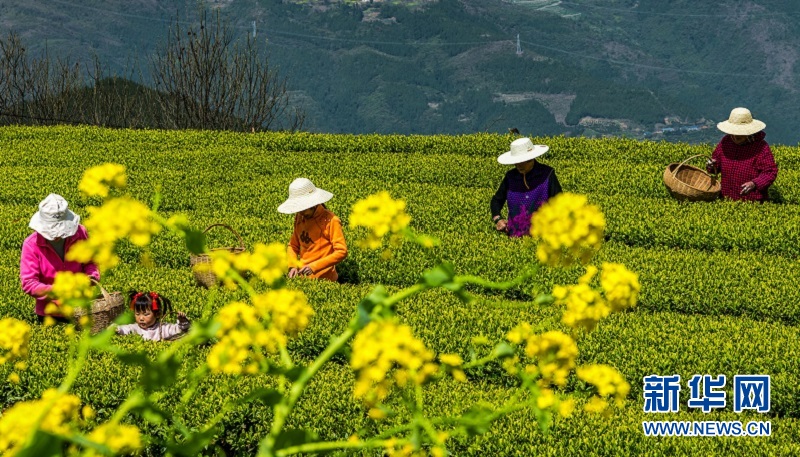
[{"x": 319, "y": 242}]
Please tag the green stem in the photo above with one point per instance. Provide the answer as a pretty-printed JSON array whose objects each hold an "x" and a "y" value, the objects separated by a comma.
[
  {"x": 469, "y": 279},
  {"x": 66, "y": 385},
  {"x": 332, "y": 445},
  {"x": 283, "y": 409}
]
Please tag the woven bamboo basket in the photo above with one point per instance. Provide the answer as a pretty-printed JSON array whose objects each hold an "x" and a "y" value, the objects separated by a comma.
[
  {"x": 688, "y": 183},
  {"x": 103, "y": 310},
  {"x": 207, "y": 278}
]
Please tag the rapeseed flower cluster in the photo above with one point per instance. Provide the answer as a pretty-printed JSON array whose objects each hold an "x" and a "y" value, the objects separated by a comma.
[
  {"x": 555, "y": 353},
  {"x": 15, "y": 337},
  {"x": 242, "y": 335},
  {"x": 569, "y": 230},
  {"x": 268, "y": 262},
  {"x": 118, "y": 218},
  {"x": 608, "y": 383},
  {"x": 68, "y": 286},
  {"x": 585, "y": 305},
  {"x": 620, "y": 286},
  {"x": 288, "y": 310},
  {"x": 18, "y": 422},
  {"x": 385, "y": 354},
  {"x": 119, "y": 438},
  {"x": 381, "y": 215},
  {"x": 97, "y": 180},
  {"x": 246, "y": 331}
]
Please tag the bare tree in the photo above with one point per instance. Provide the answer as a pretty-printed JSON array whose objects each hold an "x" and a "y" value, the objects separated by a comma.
[
  {"x": 36, "y": 90},
  {"x": 208, "y": 80}
]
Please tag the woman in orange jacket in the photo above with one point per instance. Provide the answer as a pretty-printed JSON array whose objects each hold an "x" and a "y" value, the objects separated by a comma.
[{"x": 317, "y": 243}]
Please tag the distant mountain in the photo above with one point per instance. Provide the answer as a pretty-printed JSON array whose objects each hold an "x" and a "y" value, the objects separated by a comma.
[{"x": 646, "y": 69}]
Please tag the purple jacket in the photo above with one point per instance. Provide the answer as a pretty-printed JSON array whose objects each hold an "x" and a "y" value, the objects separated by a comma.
[{"x": 39, "y": 264}]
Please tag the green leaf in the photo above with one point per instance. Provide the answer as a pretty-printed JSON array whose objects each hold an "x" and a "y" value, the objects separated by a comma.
[
  {"x": 544, "y": 299},
  {"x": 503, "y": 350},
  {"x": 293, "y": 374},
  {"x": 269, "y": 397},
  {"x": 194, "y": 444},
  {"x": 195, "y": 241},
  {"x": 439, "y": 275},
  {"x": 102, "y": 340},
  {"x": 477, "y": 420},
  {"x": 43, "y": 444},
  {"x": 367, "y": 305},
  {"x": 294, "y": 437}
]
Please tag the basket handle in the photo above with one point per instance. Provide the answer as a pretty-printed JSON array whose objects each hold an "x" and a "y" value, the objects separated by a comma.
[
  {"x": 238, "y": 237},
  {"x": 103, "y": 290},
  {"x": 675, "y": 171}
]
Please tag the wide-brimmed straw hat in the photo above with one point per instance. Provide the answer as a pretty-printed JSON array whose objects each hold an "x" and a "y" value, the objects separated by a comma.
[
  {"x": 303, "y": 194},
  {"x": 522, "y": 150},
  {"x": 741, "y": 122},
  {"x": 54, "y": 219}
]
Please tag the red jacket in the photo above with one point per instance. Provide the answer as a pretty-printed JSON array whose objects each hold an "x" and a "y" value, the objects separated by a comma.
[{"x": 739, "y": 164}]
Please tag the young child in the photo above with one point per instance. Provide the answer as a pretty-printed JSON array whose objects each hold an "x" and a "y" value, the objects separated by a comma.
[
  {"x": 150, "y": 308},
  {"x": 317, "y": 239}
]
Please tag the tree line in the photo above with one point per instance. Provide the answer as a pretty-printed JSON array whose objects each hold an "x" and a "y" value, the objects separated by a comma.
[{"x": 201, "y": 78}]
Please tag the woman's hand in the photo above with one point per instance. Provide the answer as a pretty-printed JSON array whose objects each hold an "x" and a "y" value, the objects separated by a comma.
[
  {"x": 501, "y": 225},
  {"x": 292, "y": 272},
  {"x": 711, "y": 166},
  {"x": 306, "y": 271},
  {"x": 748, "y": 187}
]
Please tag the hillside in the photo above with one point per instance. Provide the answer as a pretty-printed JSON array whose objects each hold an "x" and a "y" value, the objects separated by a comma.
[{"x": 611, "y": 67}]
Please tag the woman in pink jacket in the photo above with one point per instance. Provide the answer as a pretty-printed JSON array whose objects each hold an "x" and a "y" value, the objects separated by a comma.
[{"x": 44, "y": 251}]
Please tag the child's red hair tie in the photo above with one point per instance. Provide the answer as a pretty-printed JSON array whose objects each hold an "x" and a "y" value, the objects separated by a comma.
[
  {"x": 135, "y": 297},
  {"x": 154, "y": 296}
]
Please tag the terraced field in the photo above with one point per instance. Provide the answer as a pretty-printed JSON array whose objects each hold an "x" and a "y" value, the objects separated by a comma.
[{"x": 719, "y": 280}]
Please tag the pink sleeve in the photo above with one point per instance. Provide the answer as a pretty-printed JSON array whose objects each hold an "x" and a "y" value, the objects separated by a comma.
[
  {"x": 29, "y": 272},
  {"x": 766, "y": 167}
]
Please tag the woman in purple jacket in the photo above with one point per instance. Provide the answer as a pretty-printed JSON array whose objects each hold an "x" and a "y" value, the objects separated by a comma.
[
  {"x": 44, "y": 252},
  {"x": 524, "y": 188}
]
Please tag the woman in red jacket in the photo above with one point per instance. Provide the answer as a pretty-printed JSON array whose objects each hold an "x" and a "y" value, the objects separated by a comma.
[{"x": 743, "y": 158}]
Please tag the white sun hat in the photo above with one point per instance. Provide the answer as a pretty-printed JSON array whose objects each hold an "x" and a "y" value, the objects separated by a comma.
[
  {"x": 741, "y": 122},
  {"x": 54, "y": 219},
  {"x": 303, "y": 194},
  {"x": 522, "y": 150}
]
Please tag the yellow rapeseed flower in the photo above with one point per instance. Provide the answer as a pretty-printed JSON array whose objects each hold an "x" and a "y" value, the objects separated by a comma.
[
  {"x": 620, "y": 285},
  {"x": 387, "y": 353},
  {"x": 288, "y": 310},
  {"x": 69, "y": 286},
  {"x": 18, "y": 421},
  {"x": 608, "y": 383},
  {"x": 568, "y": 229},
  {"x": 119, "y": 438},
  {"x": 118, "y": 218},
  {"x": 15, "y": 337},
  {"x": 381, "y": 215},
  {"x": 585, "y": 305},
  {"x": 555, "y": 353},
  {"x": 97, "y": 180}
]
